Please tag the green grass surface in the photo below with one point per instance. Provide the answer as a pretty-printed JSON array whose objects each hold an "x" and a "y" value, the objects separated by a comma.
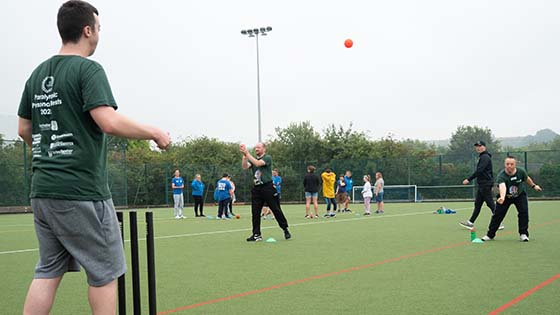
[{"x": 407, "y": 261}]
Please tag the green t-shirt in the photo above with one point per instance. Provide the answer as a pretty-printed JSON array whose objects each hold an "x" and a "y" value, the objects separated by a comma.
[
  {"x": 515, "y": 184},
  {"x": 263, "y": 174},
  {"x": 69, "y": 150}
]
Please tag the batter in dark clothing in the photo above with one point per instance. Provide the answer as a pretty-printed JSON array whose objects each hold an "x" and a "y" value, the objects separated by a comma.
[{"x": 263, "y": 191}]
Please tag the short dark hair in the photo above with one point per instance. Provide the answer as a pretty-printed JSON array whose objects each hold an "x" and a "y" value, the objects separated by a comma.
[
  {"x": 72, "y": 17},
  {"x": 225, "y": 175}
]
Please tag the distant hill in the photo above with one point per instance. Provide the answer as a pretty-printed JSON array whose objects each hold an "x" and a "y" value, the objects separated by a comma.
[{"x": 542, "y": 136}]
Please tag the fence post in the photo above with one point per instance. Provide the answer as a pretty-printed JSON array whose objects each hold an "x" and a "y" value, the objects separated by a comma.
[
  {"x": 166, "y": 183},
  {"x": 408, "y": 166},
  {"x": 125, "y": 176},
  {"x": 526, "y": 163},
  {"x": 25, "y": 174},
  {"x": 440, "y": 168}
]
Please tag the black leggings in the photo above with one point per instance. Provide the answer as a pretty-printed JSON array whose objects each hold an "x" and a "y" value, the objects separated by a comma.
[
  {"x": 522, "y": 205},
  {"x": 329, "y": 202},
  {"x": 261, "y": 195},
  {"x": 198, "y": 202},
  {"x": 483, "y": 194}
]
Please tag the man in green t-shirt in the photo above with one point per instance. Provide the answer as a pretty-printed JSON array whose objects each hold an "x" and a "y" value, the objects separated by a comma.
[
  {"x": 512, "y": 181},
  {"x": 66, "y": 110},
  {"x": 263, "y": 191}
]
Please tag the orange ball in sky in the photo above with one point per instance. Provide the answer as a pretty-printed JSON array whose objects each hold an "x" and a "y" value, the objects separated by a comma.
[{"x": 348, "y": 43}]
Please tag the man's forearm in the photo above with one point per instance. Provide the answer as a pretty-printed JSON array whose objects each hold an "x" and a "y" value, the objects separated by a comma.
[
  {"x": 253, "y": 160},
  {"x": 25, "y": 130},
  {"x": 244, "y": 163},
  {"x": 119, "y": 125},
  {"x": 502, "y": 190}
]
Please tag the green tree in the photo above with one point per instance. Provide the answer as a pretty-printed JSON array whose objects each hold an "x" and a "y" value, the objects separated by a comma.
[
  {"x": 297, "y": 142},
  {"x": 464, "y": 137},
  {"x": 345, "y": 143},
  {"x": 13, "y": 190}
]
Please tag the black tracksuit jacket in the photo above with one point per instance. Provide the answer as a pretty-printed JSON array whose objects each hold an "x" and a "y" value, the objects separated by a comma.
[{"x": 483, "y": 174}]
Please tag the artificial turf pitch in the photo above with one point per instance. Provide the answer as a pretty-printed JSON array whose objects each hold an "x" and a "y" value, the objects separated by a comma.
[{"x": 406, "y": 261}]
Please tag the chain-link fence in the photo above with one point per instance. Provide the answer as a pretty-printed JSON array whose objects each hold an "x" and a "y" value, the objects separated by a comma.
[{"x": 145, "y": 184}]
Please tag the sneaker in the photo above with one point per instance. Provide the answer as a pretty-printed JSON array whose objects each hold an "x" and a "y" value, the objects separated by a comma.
[
  {"x": 466, "y": 224},
  {"x": 316, "y": 216},
  {"x": 377, "y": 212},
  {"x": 332, "y": 214},
  {"x": 501, "y": 227},
  {"x": 367, "y": 213},
  {"x": 487, "y": 238},
  {"x": 254, "y": 238},
  {"x": 287, "y": 234},
  {"x": 182, "y": 217},
  {"x": 177, "y": 217},
  {"x": 327, "y": 215},
  {"x": 382, "y": 211},
  {"x": 523, "y": 238},
  {"x": 307, "y": 217}
]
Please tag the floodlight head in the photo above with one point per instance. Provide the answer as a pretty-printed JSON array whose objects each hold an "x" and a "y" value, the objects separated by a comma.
[
  {"x": 263, "y": 30},
  {"x": 244, "y": 32},
  {"x": 256, "y": 30},
  {"x": 250, "y": 32},
  {"x": 268, "y": 28}
]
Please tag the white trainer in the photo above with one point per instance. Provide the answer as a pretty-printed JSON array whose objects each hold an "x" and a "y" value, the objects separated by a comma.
[
  {"x": 486, "y": 238},
  {"x": 523, "y": 238}
]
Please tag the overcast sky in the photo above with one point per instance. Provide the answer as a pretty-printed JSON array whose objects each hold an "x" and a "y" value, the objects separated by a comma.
[{"x": 418, "y": 69}]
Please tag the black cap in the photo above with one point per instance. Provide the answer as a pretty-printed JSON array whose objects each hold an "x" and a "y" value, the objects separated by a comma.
[{"x": 480, "y": 143}]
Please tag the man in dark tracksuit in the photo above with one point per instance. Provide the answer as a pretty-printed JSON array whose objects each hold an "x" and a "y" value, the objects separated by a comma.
[{"x": 485, "y": 180}]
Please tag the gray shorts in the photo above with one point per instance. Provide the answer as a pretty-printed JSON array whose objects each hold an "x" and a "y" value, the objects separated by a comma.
[{"x": 75, "y": 233}]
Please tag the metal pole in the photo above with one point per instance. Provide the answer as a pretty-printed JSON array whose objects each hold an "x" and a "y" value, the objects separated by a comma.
[
  {"x": 166, "y": 184},
  {"x": 25, "y": 174},
  {"x": 121, "y": 281},
  {"x": 258, "y": 89},
  {"x": 125, "y": 177},
  {"x": 135, "y": 264},
  {"x": 150, "y": 249}
]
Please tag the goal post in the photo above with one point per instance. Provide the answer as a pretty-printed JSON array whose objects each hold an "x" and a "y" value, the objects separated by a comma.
[{"x": 391, "y": 193}]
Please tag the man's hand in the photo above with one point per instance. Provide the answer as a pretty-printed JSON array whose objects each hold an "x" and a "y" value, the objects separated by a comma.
[
  {"x": 537, "y": 188},
  {"x": 243, "y": 149},
  {"x": 466, "y": 182},
  {"x": 500, "y": 200},
  {"x": 162, "y": 139}
]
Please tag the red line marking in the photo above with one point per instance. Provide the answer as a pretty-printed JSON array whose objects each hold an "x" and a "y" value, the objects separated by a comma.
[
  {"x": 334, "y": 273},
  {"x": 524, "y": 295},
  {"x": 326, "y": 275}
]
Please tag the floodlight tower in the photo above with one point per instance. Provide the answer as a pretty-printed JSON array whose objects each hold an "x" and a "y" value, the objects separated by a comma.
[{"x": 263, "y": 31}]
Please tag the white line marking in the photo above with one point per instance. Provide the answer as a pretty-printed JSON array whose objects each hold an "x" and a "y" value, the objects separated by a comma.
[
  {"x": 323, "y": 221},
  {"x": 19, "y": 251}
]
